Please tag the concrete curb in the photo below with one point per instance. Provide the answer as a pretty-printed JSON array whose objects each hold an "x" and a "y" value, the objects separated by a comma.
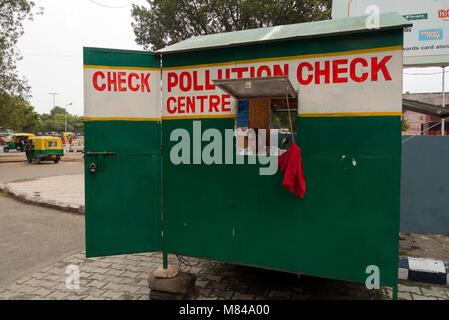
[
  {"x": 12, "y": 160},
  {"x": 68, "y": 159},
  {"x": 41, "y": 201},
  {"x": 424, "y": 270}
]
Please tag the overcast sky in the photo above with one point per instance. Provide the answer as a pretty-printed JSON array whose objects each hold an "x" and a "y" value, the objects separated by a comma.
[
  {"x": 52, "y": 49},
  {"x": 53, "y": 43}
]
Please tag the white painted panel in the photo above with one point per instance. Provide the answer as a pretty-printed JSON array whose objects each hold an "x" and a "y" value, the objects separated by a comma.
[
  {"x": 403, "y": 274},
  {"x": 121, "y": 93},
  {"x": 381, "y": 95},
  {"x": 189, "y": 91}
]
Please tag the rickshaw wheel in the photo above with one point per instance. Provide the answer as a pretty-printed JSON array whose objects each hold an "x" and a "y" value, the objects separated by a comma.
[
  {"x": 56, "y": 160},
  {"x": 6, "y": 150},
  {"x": 30, "y": 160}
]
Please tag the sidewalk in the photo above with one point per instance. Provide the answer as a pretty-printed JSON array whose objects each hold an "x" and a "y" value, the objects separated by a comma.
[
  {"x": 64, "y": 192},
  {"x": 126, "y": 277},
  {"x": 67, "y": 192},
  {"x": 424, "y": 245}
]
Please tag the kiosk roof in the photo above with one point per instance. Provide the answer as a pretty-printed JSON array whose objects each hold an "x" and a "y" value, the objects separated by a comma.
[{"x": 391, "y": 20}]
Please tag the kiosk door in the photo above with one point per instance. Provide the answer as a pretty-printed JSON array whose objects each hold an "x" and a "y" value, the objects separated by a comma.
[{"x": 122, "y": 151}]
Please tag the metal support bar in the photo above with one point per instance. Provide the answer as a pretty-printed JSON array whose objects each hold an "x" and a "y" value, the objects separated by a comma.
[
  {"x": 164, "y": 260},
  {"x": 443, "y": 104},
  {"x": 289, "y": 116},
  {"x": 98, "y": 163}
]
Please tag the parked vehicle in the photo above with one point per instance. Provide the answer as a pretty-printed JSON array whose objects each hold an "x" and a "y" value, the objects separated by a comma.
[
  {"x": 17, "y": 142},
  {"x": 44, "y": 148}
]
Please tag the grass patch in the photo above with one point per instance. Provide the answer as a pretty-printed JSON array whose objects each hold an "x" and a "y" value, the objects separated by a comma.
[{"x": 4, "y": 194}]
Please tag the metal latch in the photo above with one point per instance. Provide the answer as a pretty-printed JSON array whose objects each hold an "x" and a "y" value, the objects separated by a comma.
[{"x": 97, "y": 162}]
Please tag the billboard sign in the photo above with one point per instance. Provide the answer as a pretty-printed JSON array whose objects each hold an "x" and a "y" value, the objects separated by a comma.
[{"x": 426, "y": 43}]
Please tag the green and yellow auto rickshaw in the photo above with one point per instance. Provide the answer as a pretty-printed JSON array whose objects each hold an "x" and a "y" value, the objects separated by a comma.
[
  {"x": 44, "y": 148},
  {"x": 17, "y": 142}
]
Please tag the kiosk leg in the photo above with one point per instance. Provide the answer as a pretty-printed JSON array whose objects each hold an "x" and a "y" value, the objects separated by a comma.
[
  {"x": 167, "y": 282},
  {"x": 395, "y": 292},
  {"x": 164, "y": 260}
]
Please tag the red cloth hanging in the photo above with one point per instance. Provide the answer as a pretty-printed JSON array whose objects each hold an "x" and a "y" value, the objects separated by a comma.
[{"x": 290, "y": 162}]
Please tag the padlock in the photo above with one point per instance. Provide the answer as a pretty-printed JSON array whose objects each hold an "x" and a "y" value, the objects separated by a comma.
[{"x": 92, "y": 168}]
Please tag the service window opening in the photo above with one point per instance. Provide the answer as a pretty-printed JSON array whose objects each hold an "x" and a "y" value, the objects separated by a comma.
[
  {"x": 263, "y": 125},
  {"x": 266, "y": 114}
]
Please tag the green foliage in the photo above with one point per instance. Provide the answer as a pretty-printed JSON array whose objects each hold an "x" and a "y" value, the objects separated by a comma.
[
  {"x": 56, "y": 110},
  {"x": 12, "y": 15},
  {"x": 17, "y": 114},
  {"x": 405, "y": 124},
  {"x": 166, "y": 22},
  {"x": 55, "y": 121}
]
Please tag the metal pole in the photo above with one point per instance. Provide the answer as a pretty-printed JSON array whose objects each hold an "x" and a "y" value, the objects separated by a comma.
[
  {"x": 65, "y": 116},
  {"x": 53, "y": 94},
  {"x": 443, "y": 104}
]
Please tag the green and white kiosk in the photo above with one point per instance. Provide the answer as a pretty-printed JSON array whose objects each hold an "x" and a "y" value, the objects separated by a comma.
[{"x": 144, "y": 109}]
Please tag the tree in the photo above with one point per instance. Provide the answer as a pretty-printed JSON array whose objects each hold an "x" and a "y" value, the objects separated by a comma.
[
  {"x": 55, "y": 121},
  {"x": 17, "y": 114},
  {"x": 57, "y": 110},
  {"x": 405, "y": 124},
  {"x": 169, "y": 21},
  {"x": 12, "y": 15}
]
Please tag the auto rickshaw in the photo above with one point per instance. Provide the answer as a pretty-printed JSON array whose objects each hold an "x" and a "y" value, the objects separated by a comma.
[
  {"x": 44, "y": 148},
  {"x": 17, "y": 142}
]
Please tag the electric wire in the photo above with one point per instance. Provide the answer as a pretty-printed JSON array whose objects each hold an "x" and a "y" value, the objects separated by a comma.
[
  {"x": 184, "y": 261},
  {"x": 436, "y": 124},
  {"x": 51, "y": 55},
  {"x": 424, "y": 74},
  {"x": 109, "y": 7}
]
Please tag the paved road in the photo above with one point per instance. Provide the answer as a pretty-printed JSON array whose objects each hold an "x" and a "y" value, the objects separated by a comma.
[
  {"x": 11, "y": 153},
  {"x": 24, "y": 170},
  {"x": 15, "y": 153},
  {"x": 33, "y": 237}
]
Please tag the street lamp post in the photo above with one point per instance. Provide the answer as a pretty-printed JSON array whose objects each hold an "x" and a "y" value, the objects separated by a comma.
[
  {"x": 53, "y": 94},
  {"x": 65, "y": 116}
]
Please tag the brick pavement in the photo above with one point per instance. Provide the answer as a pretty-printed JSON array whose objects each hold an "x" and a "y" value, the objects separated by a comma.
[{"x": 125, "y": 277}]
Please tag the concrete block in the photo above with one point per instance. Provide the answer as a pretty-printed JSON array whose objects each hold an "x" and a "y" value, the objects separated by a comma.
[
  {"x": 169, "y": 272},
  {"x": 182, "y": 283},
  {"x": 427, "y": 265},
  {"x": 403, "y": 274},
  {"x": 162, "y": 295}
]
